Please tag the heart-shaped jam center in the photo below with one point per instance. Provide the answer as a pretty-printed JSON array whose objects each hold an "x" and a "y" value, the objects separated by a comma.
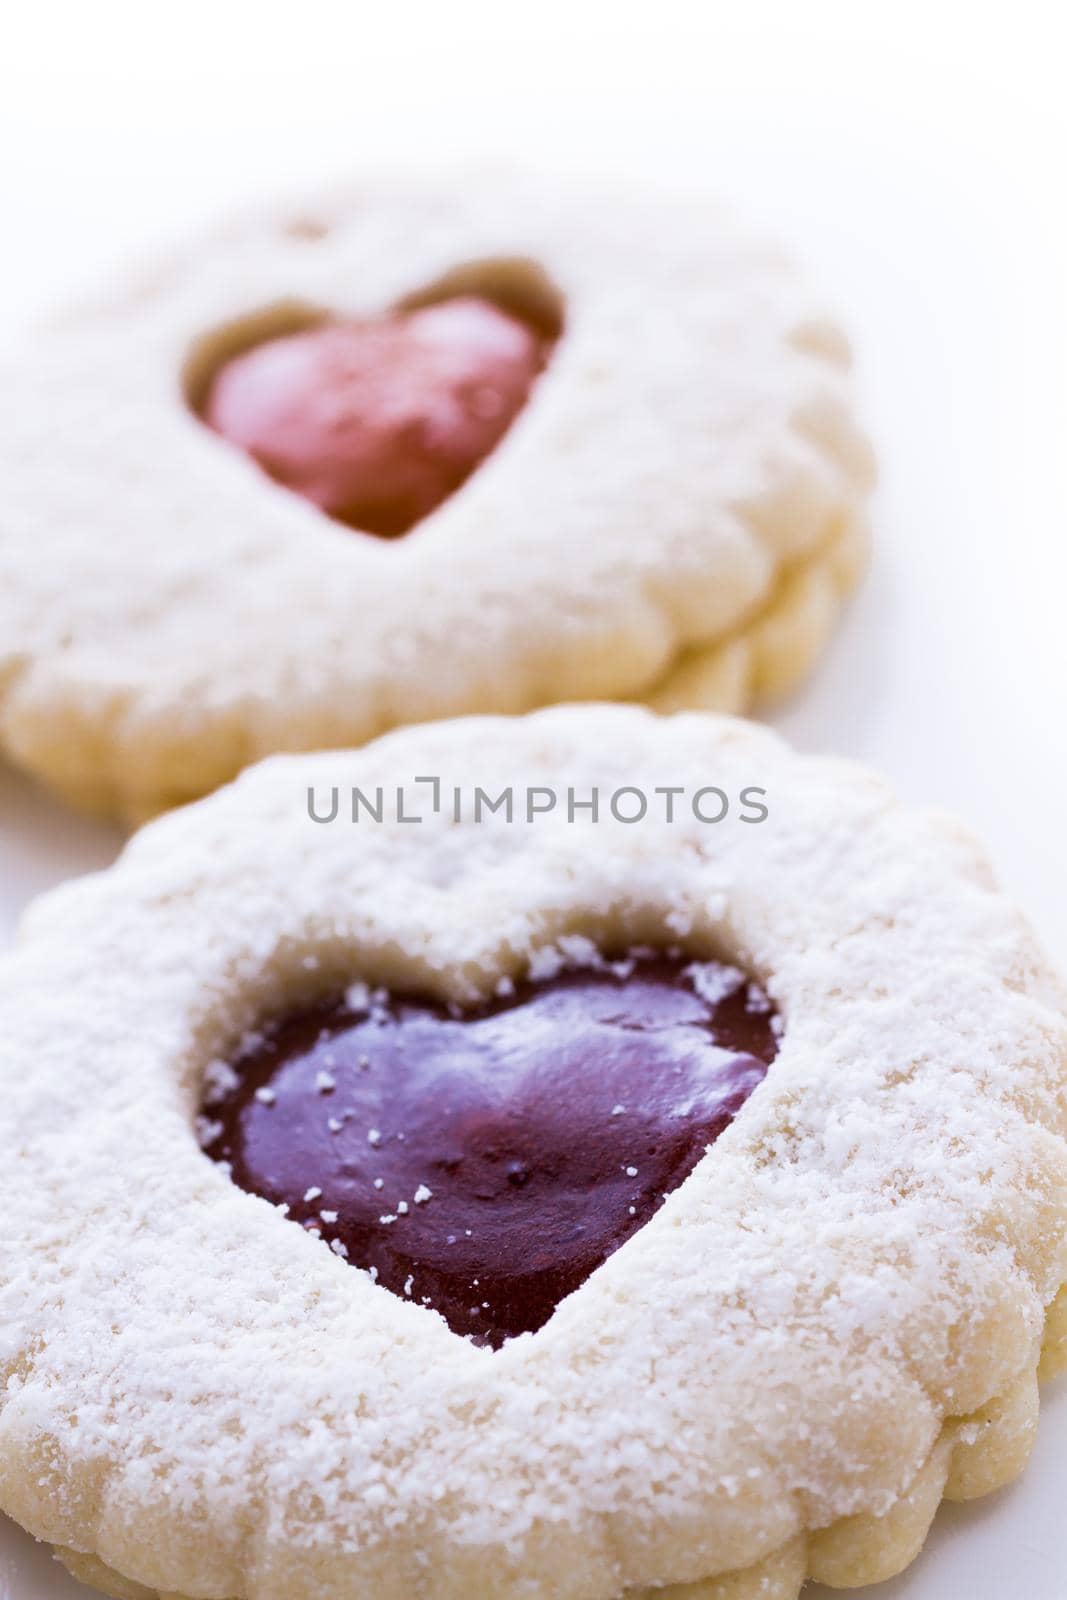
[
  {"x": 378, "y": 421},
  {"x": 485, "y": 1164}
]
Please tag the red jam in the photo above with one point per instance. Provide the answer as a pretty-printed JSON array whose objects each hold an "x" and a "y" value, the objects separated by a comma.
[
  {"x": 377, "y": 422},
  {"x": 485, "y": 1164}
]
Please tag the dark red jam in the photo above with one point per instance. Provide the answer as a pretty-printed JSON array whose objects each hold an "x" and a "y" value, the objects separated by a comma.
[
  {"x": 377, "y": 422},
  {"x": 485, "y": 1164}
]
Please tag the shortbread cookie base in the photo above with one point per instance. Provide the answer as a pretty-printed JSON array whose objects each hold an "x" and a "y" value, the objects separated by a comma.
[
  {"x": 766, "y": 659},
  {"x": 830, "y": 1325},
  {"x": 771, "y": 654},
  {"x": 652, "y": 528},
  {"x": 974, "y": 1456}
]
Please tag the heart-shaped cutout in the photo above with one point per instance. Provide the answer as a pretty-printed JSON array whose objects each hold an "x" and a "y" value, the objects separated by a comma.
[
  {"x": 378, "y": 420},
  {"x": 485, "y": 1164}
]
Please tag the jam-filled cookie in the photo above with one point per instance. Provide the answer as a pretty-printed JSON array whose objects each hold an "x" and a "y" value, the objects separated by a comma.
[
  {"x": 644, "y": 1174},
  {"x": 409, "y": 453}
]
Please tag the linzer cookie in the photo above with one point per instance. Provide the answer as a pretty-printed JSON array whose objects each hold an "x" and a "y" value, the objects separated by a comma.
[
  {"x": 626, "y": 1196},
  {"x": 404, "y": 453}
]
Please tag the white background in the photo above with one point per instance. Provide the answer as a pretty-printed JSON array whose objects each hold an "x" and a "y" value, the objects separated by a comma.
[{"x": 913, "y": 154}]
